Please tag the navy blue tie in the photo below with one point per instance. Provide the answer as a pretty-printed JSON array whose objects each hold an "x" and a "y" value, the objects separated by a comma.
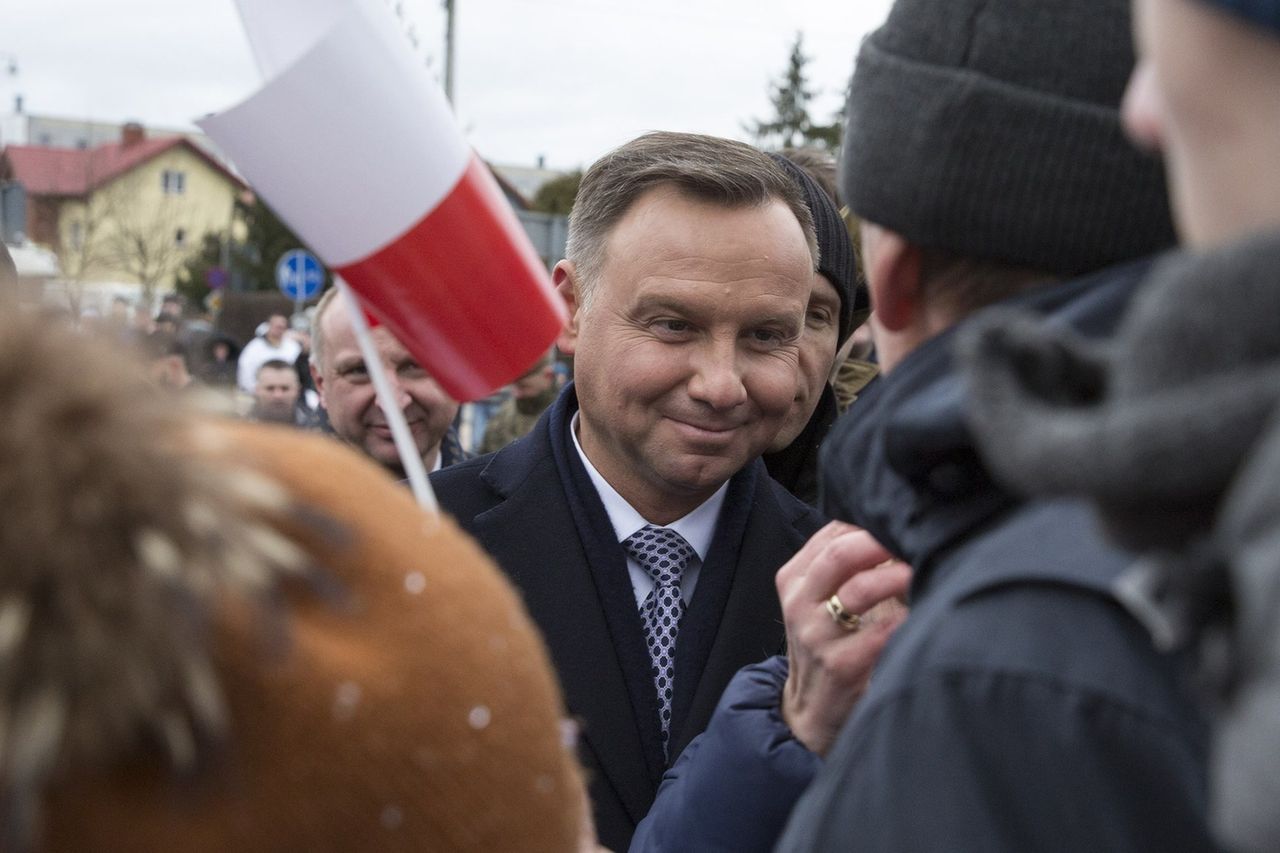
[{"x": 663, "y": 554}]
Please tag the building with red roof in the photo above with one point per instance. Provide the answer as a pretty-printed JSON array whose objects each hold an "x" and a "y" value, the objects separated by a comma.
[{"x": 129, "y": 211}]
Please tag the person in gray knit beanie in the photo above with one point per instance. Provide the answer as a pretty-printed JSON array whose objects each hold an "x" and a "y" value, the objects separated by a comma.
[
  {"x": 1017, "y": 707},
  {"x": 986, "y": 137},
  {"x": 980, "y": 128},
  {"x": 1172, "y": 431}
]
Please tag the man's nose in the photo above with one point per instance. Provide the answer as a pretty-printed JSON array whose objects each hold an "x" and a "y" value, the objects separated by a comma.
[
  {"x": 398, "y": 393},
  {"x": 1143, "y": 108},
  {"x": 717, "y": 375}
]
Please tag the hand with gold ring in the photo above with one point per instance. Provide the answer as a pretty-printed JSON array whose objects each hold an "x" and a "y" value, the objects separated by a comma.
[{"x": 842, "y": 597}]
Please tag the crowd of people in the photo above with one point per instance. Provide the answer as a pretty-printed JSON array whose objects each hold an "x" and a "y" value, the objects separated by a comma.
[
  {"x": 1002, "y": 574},
  {"x": 280, "y": 373}
]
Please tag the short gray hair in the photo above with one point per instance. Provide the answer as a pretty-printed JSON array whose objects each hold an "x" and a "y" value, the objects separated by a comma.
[
  {"x": 317, "y": 325},
  {"x": 705, "y": 168}
]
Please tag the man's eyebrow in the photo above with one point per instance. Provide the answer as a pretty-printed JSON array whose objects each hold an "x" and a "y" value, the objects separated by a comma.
[
  {"x": 658, "y": 301},
  {"x": 342, "y": 365},
  {"x": 673, "y": 305}
]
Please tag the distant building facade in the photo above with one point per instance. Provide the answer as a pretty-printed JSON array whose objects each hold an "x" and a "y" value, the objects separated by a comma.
[{"x": 126, "y": 212}]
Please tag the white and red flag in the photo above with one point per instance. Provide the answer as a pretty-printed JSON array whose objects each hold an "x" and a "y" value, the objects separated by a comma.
[{"x": 352, "y": 143}]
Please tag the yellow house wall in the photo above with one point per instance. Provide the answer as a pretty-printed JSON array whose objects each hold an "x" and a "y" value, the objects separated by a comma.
[{"x": 132, "y": 215}]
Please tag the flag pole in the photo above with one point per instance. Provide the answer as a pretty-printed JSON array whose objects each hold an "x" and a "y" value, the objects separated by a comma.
[{"x": 409, "y": 456}]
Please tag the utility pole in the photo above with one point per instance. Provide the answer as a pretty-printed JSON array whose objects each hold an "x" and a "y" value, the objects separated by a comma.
[
  {"x": 448, "y": 51},
  {"x": 14, "y": 128}
]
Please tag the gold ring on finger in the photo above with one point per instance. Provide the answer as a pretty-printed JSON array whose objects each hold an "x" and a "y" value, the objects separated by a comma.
[{"x": 846, "y": 620}]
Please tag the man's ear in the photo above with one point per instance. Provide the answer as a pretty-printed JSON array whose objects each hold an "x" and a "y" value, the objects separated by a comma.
[
  {"x": 318, "y": 380},
  {"x": 565, "y": 278},
  {"x": 893, "y": 277}
]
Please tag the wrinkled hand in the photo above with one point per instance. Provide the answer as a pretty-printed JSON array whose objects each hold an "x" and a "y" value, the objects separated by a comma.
[{"x": 830, "y": 665}]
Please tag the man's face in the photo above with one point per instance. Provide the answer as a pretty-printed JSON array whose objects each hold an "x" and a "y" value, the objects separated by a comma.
[
  {"x": 1205, "y": 95},
  {"x": 347, "y": 393},
  {"x": 276, "y": 394},
  {"x": 687, "y": 356},
  {"x": 169, "y": 371},
  {"x": 818, "y": 345},
  {"x": 276, "y": 327}
]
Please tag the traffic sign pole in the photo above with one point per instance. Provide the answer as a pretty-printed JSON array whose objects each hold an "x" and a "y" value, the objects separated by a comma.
[{"x": 299, "y": 276}]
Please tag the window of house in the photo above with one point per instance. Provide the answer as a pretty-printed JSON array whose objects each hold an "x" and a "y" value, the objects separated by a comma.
[
  {"x": 75, "y": 234},
  {"x": 180, "y": 237},
  {"x": 173, "y": 182}
]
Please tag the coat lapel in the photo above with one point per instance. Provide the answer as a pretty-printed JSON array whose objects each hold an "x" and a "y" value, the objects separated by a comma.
[{"x": 532, "y": 534}]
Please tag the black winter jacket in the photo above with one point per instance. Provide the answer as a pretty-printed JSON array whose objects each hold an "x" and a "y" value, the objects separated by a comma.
[{"x": 1020, "y": 707}]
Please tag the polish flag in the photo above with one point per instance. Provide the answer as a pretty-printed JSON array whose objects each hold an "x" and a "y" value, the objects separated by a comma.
[{"x": 353, "y": 144}]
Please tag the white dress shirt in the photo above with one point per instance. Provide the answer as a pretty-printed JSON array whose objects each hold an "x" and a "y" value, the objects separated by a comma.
[{"x": 697, "y": 528}]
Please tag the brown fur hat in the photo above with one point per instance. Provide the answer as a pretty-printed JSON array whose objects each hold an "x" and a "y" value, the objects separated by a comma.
[{"x": 218, "y": 636}]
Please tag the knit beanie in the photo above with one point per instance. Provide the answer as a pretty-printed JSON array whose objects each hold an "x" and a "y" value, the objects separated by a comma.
[
  {"x": 835, "y": 248},
  {"x": 991, "y": 129},
  {"x": 1263, "y": 13}
]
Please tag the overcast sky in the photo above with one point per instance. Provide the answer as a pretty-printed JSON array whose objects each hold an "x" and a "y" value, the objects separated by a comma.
[{"x": 565, "y": 79}]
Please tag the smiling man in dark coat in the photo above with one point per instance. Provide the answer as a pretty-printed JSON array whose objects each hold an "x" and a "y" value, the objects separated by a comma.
[{"x": 637, "y": 518}]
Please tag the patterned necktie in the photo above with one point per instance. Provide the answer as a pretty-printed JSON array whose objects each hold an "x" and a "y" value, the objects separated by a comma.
[{"x": 662, "y": 553}]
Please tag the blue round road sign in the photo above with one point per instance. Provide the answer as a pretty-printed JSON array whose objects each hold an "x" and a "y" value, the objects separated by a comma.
[{"x": 299, "y": 275}]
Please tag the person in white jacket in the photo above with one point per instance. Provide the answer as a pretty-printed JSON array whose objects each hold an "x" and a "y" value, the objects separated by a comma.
[{"x": 274, "y": 344}]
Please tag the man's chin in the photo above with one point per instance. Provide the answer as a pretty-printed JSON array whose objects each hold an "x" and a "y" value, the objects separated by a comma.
[
  {"x": 392, "y": 464},
  {"x": 697, "y": 472},
  {"x": 383, "y": 451}
]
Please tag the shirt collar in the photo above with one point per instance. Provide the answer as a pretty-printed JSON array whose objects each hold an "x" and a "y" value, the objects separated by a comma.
[{"x": 697, "y": 528}]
